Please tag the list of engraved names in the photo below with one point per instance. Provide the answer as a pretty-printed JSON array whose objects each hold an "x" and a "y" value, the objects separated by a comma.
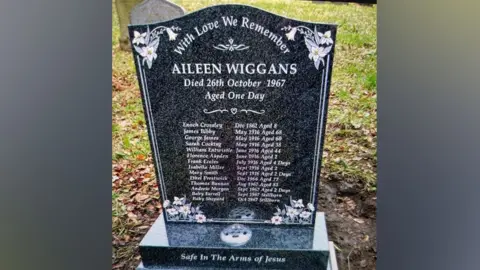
[{"x": 256, "y": 151}]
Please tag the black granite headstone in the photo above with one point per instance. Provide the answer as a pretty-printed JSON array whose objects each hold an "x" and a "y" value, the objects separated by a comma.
[{"x": 236, "y": 102}]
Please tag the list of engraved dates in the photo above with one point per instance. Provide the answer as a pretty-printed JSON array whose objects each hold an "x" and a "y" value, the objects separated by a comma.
[{"x": 256, "y": 151}]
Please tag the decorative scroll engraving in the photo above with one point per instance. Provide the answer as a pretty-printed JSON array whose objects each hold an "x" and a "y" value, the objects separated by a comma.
[
  {"x": 234, "y": 111},
  {"x": 214, "y": 111},
  {"x": 231, "y": 46},
  {"x": 253, "y": 111}
]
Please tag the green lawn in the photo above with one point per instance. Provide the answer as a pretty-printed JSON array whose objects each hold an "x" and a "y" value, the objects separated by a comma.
[{"x": 350, "y": 143}]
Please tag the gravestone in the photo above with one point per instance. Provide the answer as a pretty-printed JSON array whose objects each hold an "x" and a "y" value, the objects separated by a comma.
[
  {"x": 236, "y": 102},
  {"x": 151, "y": 11},
  {"x": 138, "y": 12}
]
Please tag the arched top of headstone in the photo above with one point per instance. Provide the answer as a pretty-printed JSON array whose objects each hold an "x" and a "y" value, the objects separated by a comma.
[{"x": 152, "y": 11}]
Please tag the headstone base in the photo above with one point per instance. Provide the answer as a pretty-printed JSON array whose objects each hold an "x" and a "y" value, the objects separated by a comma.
[
  {"x": 198, "y": 246},
  {"x": 332, "y": 264}
]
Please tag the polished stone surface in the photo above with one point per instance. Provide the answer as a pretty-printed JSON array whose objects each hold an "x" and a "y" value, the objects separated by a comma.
[
  {"x": 178, "y": 244},
  {"x": 276, "y": 49}
]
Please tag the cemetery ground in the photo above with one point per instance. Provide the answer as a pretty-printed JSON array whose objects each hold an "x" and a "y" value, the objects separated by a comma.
[{"x": 347, "y": 191}]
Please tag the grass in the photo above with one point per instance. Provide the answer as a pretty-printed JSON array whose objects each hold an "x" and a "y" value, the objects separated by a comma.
[{"x": 350, "y": 142}]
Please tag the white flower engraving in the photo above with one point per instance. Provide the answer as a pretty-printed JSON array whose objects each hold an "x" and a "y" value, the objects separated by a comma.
[
  {"x": 146, "y": 44},
  {"x": 305, "y": 214},
  {"x": 291, "y": 35},
  {"x": 171, "y": 34},
  {"x": 291, "y": 212},
  {"x": 182, "y": 210},
  {"x": 326, "y": 38},
  {"x": 318, "y": 44},
  {"x": 295, "y": 213},
  {"x": 297, "y": 203},
  {"x": 177, "y": 201},
  {"x": 172, "y": 211},
  {"x": 317, "y": 53},
  {"x": 138, "y": 38},
  {"x": 277, "y": 220},
  {"x": 310, "y": 207},
  {"x": 200, "y": 218},
  {"x": 166, "y": 203},
  {"x": 148, "y": 53}
]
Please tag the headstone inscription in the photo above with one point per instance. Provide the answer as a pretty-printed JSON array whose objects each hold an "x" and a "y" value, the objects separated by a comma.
[{"x": 236, "y": 100}]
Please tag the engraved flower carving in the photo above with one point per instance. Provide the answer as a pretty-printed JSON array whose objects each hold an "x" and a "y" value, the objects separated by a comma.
[
  {"x": 146, "y": 44},
  {"x": 149, "y": 54},
  {"x": 297, "y": 203},
  {"x": 291, "y": 35},
  {"x": 310, "y": 207},
  {"x": 318, "y": 44},
  {"x": 277, "y": 220},
  {"x": 166, "y": 203},
  {"x": 305, "y": 214},
  {"x": 138, "y": 38},
  {"x": 171, "y": 35},
  {"x": 326, "y": 38},
  {"x": 178, "y": 201},
  {"x": 317, "y": 53},
  {"x": 172, "y": 211},
  {"x": 200, "y": 218},
  {"x": 182, "y": 210},
  {"x": 295, "y": 213},
  {"x": 291, "y": 212}
]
